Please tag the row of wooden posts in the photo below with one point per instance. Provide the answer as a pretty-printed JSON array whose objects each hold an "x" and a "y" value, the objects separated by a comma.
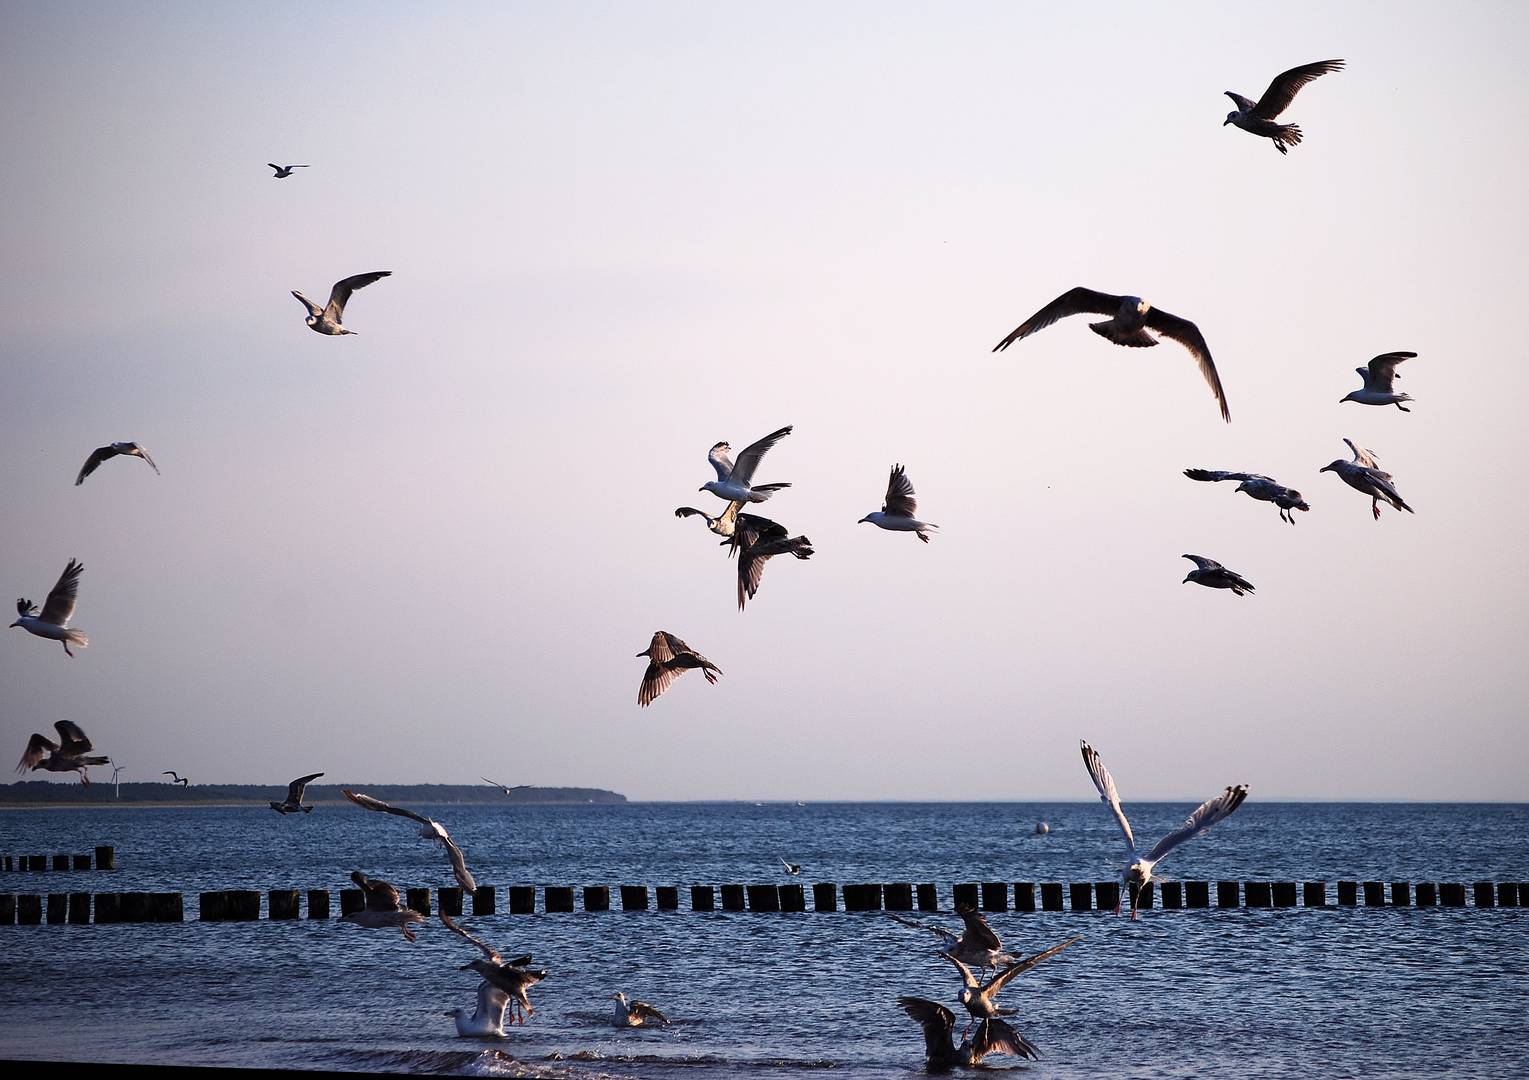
[
  {"x": 105, "y": 859},
  {"x": 244, "y": 904}
]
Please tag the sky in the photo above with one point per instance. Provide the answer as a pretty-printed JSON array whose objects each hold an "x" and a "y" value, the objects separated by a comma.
[{"x": 620, "y": 233}]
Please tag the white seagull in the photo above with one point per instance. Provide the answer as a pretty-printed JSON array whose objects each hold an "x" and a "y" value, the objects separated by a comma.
[
  {"x": 791, "y": 867},
  {"x": 899, "y": 508},
  {"x": 1213, "y": 575},
  {"x": 52, "y": 621},
  {"x": 1380, "y": 381},
  {"x": 293, "y": 803},
  {"x": 734, "y": 481},
  {"x": 1130, "y": 319},
  {"x": 635, "y": 1013},
  {"x": 69, "y": 754},
  {"x": 1363, "y": 474},
  {"x": 1139, "y": 870},
  {"x": 668, "y": 659},
  {"x": 510, "y": 791},
  {"x": 105, "y": 453},
  {"x": 429, "y": 830},
  {"x": 1262, "y": 488},
  {"x": 1258, "y": 116},
  {"x": 487, "y": 1018},
  {"x": 326, "y": 320},
  {"x": 283, "y": 171}
]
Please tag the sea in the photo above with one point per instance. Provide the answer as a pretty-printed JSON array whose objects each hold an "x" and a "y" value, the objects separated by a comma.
[{"x": 1337, "y": 992}]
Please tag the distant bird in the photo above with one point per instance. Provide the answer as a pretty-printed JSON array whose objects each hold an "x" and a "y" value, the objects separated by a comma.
[
  {"x": 1213, "y": 575},
  {"x": 940, "y": 1049},
  {"x": 178, "y": 779},
  {"x": 1363, "y": 474},
  {"x": 1262, "y": 488},
  {"x": 488, "y": 1017},
  {"x": 326, "y": 320},
  {"x": 734, "y": 482},
  {"x": 1379, "y": 382},
  {"x": 899, "y": 509},
  {"x": 429, "y": 830},
  {"x": 104, "y": 453},
  {"x": 976, "y": 945},
  {"x": 1139, "y": 870},
  {"x": 980, "y": 998},
  {"x": 1258, "y": 116},
  {"x": 724, "y": 524},
  {"x": 1130, "y": 319},
  {"x": 70, "y": 754},
  {"x": 383, "y": 907},
  {"x": 510, "y": 791},
  {"x": 668, "y": 659},
  {"x": 757, "y": 540},
  {"x": 284, "y": 171},
  {"x": 294, "y": 800},
  {"x": 791, "y": 867},
  {"x": 635, "y": 1013},
  {"x": 53, "y": 621}
]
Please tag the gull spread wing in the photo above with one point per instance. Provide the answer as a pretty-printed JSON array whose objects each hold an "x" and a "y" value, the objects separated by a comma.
[
  {"x": 994, "y": 1036},
  {"x": 900, "y": 501},
  {"x": 379, "y": 895},
  {"x": 139, "y": 451},
  {"x": 97, "y": 456},
  {"x": 948, "y": 939},
  {"x": 1216, "y": 474},
  {"x": 1019, "y": 967},
  {"x": 1382, "y": 370},
  {"x": 344, "y": 287},
  {"x": 72, "y": 741},
  {"x": 38, "y": 747},
  {"x": 1210, "y": 812},
  {"x": 1243, "y": 104},
  {"x": 1283, "y": 89},
  {"x": 295, "y": 788},
  {"x": 1072, "y": 302},
  {"x": 1202, "y": 563},
  {"x": 936, "y": 1020},
  {"x": 1106, "y": 783},
  {"x": 665, "y": 647},
  {"x": 458, "y": 861},
  {"x": 644, "y": 1011},
  {"x": 366, "y": 802},
  {"x": 491, "y": 953},
  {"x": 1188, "y": 335},
  {"x": 967, "y": 978},
  {"x": 748, "y": 460},
  {"x": 1362, "y": 458},
  {"x": 59, "y": 608},
  {"x": 978, "y": 932}
]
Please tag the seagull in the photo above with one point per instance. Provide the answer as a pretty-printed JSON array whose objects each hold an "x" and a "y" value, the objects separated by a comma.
[
  {"x": 510, "y": 791},
  {"x": 488, "y": 1017},
  {"x": 896, "y": 513},
  {"x": 791, "y": 867},
  {"x": 510, "y": 978},
  {"x": 1130, "y": 318},
  {"x": 939, "y": 1024},
  {"x": 104, "y": 453},
  {"x": 1362, "y": 474},
  {"x": 284, "y": 171},
  {"x": 294, "y": 800},
  {"x": 978, "y": 997},
  {"x": 733, "y": 482},
  {"x": 668, "y": 659},
  {"x": 69, "y": 754},
  {"x": 326, "y": 320},
  {"x": 429, "y": 830},
  {"x": 1379, "y": 379},
  {"x": 1259, "y": 487},
  {"x": 635, "y": 1013},
  {"x": 757, "y": 540},
  {"x": 1258, "y": 116},
  {"x": 1139, "y": 871},
  {"x": 724, "y": 524},
  {"x": 383, "y": 907},
  {"x": 1210, "y": 573},
  {"x": 976, "y": 945},
  {"x": 53, "y": 621},
  {"x": 179, "y": 779}
]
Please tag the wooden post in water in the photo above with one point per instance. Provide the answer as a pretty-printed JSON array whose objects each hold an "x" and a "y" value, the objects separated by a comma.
[
  {"x": 37, "y": 863},
  {"x": 82, "y": 862},
  {"x": 668, "y": 897},
  {"x": 1284, "y": 893},
  {"x": 897, "y": 896},
  {"x": 351, "y": 901},
  {"x": 1258, "y": 894},
  {"x": 61, "y": 862},
  {"x": 106, "y": 857},
  {"x": 135, "y": 907},
  {"x": 928, "y": 896},
  {"x": 1197, "y": 894},
  {"x": 1173, "y": 894},
  {"x": 282, "y": 904},
  {"x": 1227, "y": 893},
  {"x": 557, "y": 898},
  {"x": 484, "y": 900},
  {"x": 1348, "y": 893},
  {"x": 167, "y": 907},
  {"x": 1314, "y": 894},
  {"x": 1428, "y": 894},
  {"x": 703, "y": 898},
  {"x": 1081, "y": 895},
  {"x": 1484, "y": 896},
  {"x": 764, "y": 897},
  {"x": 1374, "y": 894},
  {"x": 597, "y": 898},
  {"x": 1401, "y": 894},
  {"x": 732, "y": 898},
  {"x": 1051, "y": 896},
  {"x": 29, "y": 909},
  {"x": 792, "y": 898},
  {"x": 318, "y": 903},
  {"x": 1451, "y": 894},
  {"x": 995, "y": 896},
  {"x": 824, "y": 897},
  {"x": 108, "y": 908},
  {"x": 418, "y": 899},
  {"x": 58, "y": 907},
  {"x": 1144, "y": 896},
  {"x": 1106, "y": 895},
  {"x": 965, "y": 894},
  {"x": 449, "y": 897},
  {"x": 634, "y": 898},
  {"x": 243, "y": 904},
  {"x": 1507, "y": 894},
  {"x": 7, "y": 909},
  {"x": 1024, "y": 896},
  {"x": 523, "y": 900}
]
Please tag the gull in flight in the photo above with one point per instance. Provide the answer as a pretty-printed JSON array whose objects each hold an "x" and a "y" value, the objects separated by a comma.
[
  {"x": 53, "y": 620},
  {"x": 429, "y": 830},
  {"x": 1379, "y": 382},
  {"x": 511, "y": 978},
  {"x": 980, "y": 998},
  {"x": 1213, "y": 575},
  {"x": 1363, "y": 474},
  {"x": 1259, "y": 487},
  {"x": 1130, "y": 319},
  {"x": 326, "y": 320},
  {"x": 179, "y": 779},
  {"x": 791, "y": 867},
  {"x": 488, "y": 1017},
  {"x": 1139, "y": 871},
  {"x": 1258, "y": 116},
  {"x": 70, "y": 754},
  {"x": 510, "y": 791},
  {"x": 383, "y": 907},
  {"x": 635, "y": 1013},
  {"x": 976, "y": 945},
  {"x": 734, "y": 481},
  {"x": 756, "y": 541},
  {"x": 724, "y": 524},
  {"x": 294, "y": 800},
  {"x": 939, "y": 1023},
  {"x": 105, "y": 453},
  {"x": 898, "y": 510},
  {"x": 284, "y": 171},
  {"x": 668, "y": 659}
]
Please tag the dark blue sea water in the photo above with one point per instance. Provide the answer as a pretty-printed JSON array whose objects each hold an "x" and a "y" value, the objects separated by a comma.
[{"x": 1351, "y": 992}]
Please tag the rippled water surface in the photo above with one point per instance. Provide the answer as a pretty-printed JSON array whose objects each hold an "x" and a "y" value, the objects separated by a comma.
[{"x": 1373, "y": 992}]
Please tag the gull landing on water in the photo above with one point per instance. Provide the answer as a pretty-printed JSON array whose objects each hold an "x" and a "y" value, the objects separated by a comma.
[
  {"x": 1258, "y": 116},
  {"x": 1213, "y": 575},
  {"x": 898, "y": 509},
  {"x": 940, "y": 1050},
  {"x": 293, "y": 803},
  {"x": 52, "y": 621},
  {"x": 326, "y": 320},
  {"x": 1139, "y": 870},
  {"x": 284, "y": 171},
  {"x": 1258, "y": 487},
  {"x": 635, "y": 1013},
  {"x": 106, "y": 453},
  {"x": 1364, "y": 474},
  {"x": 487, "y": 1018},
  {"x": 429, "y": 830},
  {"x": 980, "y": 998},
  {"x": 1380, "y": 382},
  {"x": 734, "y": 481},
  {"x": 668, "y": 659},
  {"x": 1130, "y": 319},
  {"x": 69, "y": 754}
]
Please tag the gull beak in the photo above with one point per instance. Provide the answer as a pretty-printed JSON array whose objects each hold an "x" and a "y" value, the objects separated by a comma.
[
  {"x": 1225, "y": 122},
  {"x": 643, "y": 653},
  {"x": 1184, "y": 582}
]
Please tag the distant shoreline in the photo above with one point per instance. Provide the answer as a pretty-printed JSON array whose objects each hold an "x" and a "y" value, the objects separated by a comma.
[{"x": 43, "y": 795}]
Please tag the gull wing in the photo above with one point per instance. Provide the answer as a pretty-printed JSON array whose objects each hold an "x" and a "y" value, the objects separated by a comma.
[
  {"x": 1105, "y": 782},
  {"x": 644, "y": 1011},
  {"x": 295, "y": 788},
  {"x": 994, "y": 1036},
  {"x": 492, "y": 1002},
  {"x": 1364, "y": 459},
  {"x": 1210, "y": 812},
  {"x": 967, "y": 978},
  {"x": 1072, "y": 302},
  {"x": 139, "y": 451},
  {"x": 492, "y": 954},
  {"x": 654, "y": 682},
  {"x": 1202, "y": 563},
  {"x": 72, "y": 741},
  {"x": 273, "y": 165},
  {"x": 665, "y": 647},
  {"x": 1019, "y": 967},
  {"x": 978, "y": 932},
  {"x": 748, "y": 460},
  {"x": 1188, "y": 335},
  {"x": 899, "y": 500},
  {"x": 1216, "y": 474},
  {"x": 717, "y": 455},
  {"x": 340, "y": 294},
  {"x": 1286, "y": 84},
  {"x": 948, "y": 939},
  {"x": 1382, "y": 370},
  {"x": 98, "y": 455},
  {"x": 314, "y": 310},
  {"x": 366, "y": 802},
  {"x": 379, "y": 895},
  {"x": 458, "y": 860},
  {"x": 1243, "y": 104},
  {"x": 59, "y": 607},
  {"x": 937, "y": 1021},
  {"x": 38, "y": 747}
]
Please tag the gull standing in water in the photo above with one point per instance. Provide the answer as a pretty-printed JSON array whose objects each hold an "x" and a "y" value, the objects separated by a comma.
[
  {"x": 105, "y": 453},
  {"x": 53, "y": 621},
  {"x": 898, "y": 510},
  {"x": 668, "y": 659},
  {"x": 1380, "y": 382},
  {"x": 1213, "y": 575},
  {"x": 487, "y": 1018},
  {"x": 293, "y": 803},
  {"x": 70, "y": 754},
  {"x": 284, "y": 171},
  {"x": 429, "y": 830},
  {"x": 1363, "y": 474},
  {"x": 976, "y": 945},
  {"x": 757, "y": 540},
  {"x": 635, "y": 1013},
  {"x": 383, "y": 907},
  {"x": 939, "y": 1023},
  {"x": 1258, "y": 487},
  {"x": 1139, "y": 870},
  {"x": 734, "y": 481},
  {"x": 1130, "y": 319},
  {"x": 1258, "y": 116},
  {"x": 179, "y": 779},
  {"x": 326, "y": 320}
]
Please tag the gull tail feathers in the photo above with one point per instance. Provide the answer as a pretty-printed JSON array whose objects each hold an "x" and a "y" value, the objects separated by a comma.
[{"x": 1286, "y": 136}]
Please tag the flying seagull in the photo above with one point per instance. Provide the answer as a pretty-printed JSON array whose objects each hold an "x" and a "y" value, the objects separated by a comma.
[
  {"x": 1130, "y": 319},
  {"x": 1139, "y": 870},
  {"x": 284, "y": 171},
  {"x": 980, "y": 998},
  {"x": 1213, "y": 575},
  {"x": 488, "y": 1017},
  {"x": 53, "y": 621},
  {"x": 510, "y": 977},
  {"x": 724, "y": 524},
  {"x": 1363, "y": 474},
  {"x": 382, "y": 907},
  {"x": 326, "y": 320},
  {"x": 734, "y": 481},
  {"x": 757, "y": 540},
  {"x": 1379, "y": 382},
  {"x": 70, "y": 754},
  {"x": 294, "y": 800},
  {"x": 668, "y": 659},
  {"x": 1258, "y": 116},
  {"x": 635, "y": 1013},
  {"x": 178, "y": 779},
  {"x": 939, "y": 1024},
  {"x": 510, "y": 791},
  {"x": 1262, "y": 488},
  {"x": 791, "y": 867},
  {"x": 429, "y": 830},
  {"x": 105, "y": 453},
  {"x": 976, "y": 945},
  {"x": 899, "y": 508}
]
